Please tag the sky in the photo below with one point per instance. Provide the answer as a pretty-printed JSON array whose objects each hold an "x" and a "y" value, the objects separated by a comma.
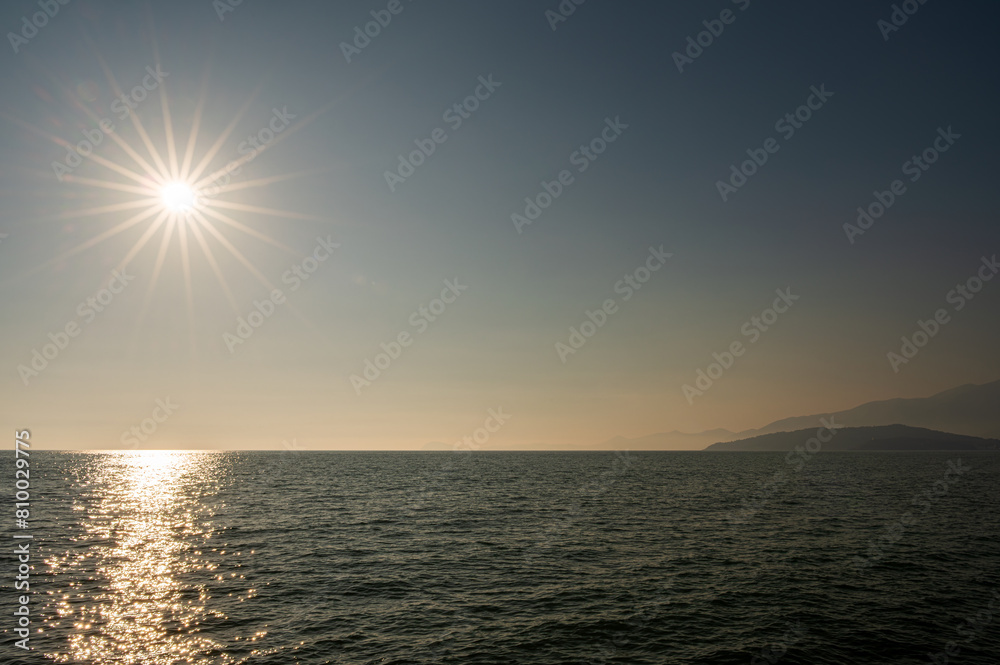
[{"x": 563, "y": 263}]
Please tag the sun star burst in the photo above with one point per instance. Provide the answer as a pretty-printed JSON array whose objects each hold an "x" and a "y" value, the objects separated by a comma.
[{"x": 169, "y": 193}]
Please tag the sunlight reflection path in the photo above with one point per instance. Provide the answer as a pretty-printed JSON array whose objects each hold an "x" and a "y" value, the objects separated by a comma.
[{"x": 138, "y": 593}]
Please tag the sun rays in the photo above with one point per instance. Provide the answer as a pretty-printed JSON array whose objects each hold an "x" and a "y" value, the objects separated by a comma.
[{"x": 165, "y": 186}]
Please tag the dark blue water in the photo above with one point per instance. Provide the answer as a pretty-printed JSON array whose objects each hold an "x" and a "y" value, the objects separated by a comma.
[{"x": 553, "y": 558}]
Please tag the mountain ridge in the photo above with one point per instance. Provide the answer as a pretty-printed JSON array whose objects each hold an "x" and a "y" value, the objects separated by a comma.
[
  {"x": 845, "y": 439},
  {"x": 966, "y": 410}
]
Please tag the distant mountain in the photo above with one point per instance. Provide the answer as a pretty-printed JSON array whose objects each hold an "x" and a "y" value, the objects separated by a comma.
[
  {"x": 885, "y": 437},
  {"x": 669, "y": 441},
  {"x": 972, "y": 410}
]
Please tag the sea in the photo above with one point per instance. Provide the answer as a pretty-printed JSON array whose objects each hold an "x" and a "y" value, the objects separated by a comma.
[{"x": 519, "y": 558}]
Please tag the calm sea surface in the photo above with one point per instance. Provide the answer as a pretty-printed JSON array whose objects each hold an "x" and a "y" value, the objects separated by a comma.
[{"x": 510, "y": 558}]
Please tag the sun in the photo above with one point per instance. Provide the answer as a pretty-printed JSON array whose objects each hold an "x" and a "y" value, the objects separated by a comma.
[
  {"x": 178, "y": 192},
  {"x": 178, "y": 197}
]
